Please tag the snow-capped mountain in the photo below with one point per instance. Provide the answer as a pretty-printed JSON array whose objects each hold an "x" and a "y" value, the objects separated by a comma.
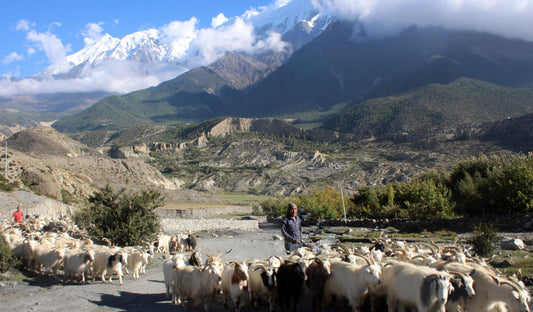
[{"x": 161, "y": 47}]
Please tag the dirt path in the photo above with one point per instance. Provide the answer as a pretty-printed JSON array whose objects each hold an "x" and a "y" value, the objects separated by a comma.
[{"x": 144, "y": 294}]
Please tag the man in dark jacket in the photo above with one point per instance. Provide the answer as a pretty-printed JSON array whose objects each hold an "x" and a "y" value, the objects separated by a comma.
[{"x": 291, "y": 228}]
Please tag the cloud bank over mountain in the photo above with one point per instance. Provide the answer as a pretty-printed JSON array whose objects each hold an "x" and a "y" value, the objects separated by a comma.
[
  {"x": 508, "y": 18},
  {"x": 147, "y": 58}
]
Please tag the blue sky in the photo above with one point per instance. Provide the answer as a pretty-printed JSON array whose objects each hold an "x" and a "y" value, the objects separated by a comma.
[{"x": 67, "y": 20}]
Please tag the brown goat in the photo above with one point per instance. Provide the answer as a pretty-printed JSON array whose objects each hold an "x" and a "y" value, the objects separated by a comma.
[{"x": 317, "y": 273}]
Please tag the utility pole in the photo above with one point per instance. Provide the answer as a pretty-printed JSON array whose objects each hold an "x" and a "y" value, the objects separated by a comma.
[{"x": 343, "y": 208}]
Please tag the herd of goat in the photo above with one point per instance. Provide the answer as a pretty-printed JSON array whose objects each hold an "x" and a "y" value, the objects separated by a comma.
[{"x": 389, "y": 276}]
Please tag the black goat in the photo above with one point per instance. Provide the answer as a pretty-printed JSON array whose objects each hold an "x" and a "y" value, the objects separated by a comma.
[{"x": 290, "y": 279}]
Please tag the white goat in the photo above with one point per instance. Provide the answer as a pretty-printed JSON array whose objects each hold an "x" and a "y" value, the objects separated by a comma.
[
  {"x": 200, "y": 285},
  {"x": 77, "y": 262},
  {"x": 415, "y": 286},
  {"x": 493, "y": 291},
  {"x": 262, "y": 283},
  {"x": 168, "y": 270},
  {"x": 235, "y": 284},
  {"x": 351, "y": 281},
  {"x": 48, "y": 258}
]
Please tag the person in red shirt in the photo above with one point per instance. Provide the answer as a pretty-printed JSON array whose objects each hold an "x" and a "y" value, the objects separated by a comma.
[{"x": 18, "y": 215}]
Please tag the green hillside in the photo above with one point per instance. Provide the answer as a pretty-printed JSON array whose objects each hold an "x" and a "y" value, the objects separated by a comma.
[
  {"x": 464, "y": 101},
  {"x": 192, "y": 96}
]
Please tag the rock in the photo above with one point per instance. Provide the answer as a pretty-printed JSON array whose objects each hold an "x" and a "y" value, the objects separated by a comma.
[
  {"x": 277, "y": 237},
  {"x": 512, "y": 244}
]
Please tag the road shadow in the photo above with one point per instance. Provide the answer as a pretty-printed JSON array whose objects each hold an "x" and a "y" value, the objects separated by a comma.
[
  {"x": 132, "y": 302},
  {"x": 137, "y": 302}
]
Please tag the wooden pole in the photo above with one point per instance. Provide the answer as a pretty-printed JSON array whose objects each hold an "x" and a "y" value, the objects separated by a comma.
[{"x": 343, "y": 208}]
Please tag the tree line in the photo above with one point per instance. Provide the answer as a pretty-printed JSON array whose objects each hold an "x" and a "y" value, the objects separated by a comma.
[{"x": 473, "y": 187}]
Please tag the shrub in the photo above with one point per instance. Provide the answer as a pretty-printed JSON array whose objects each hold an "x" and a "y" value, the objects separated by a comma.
[
  {"x": 322, "y": 203},
  {"x": 275, "y": 207},
  {"x": 7, "y": 259},
  {"x": 124, "y": 218},
  {"x": 484, "y": 238},
  {"x": 424, "y": 200},
  {"x": 493, "y": 185}
]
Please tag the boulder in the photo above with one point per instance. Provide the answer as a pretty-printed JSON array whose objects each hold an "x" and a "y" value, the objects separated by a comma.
[{"x": 512, "y": 244}]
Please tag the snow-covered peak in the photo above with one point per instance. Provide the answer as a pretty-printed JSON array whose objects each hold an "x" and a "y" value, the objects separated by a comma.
[
  {"x": 94, "y": 53},
  {"x": 283, "y": 15},
  {"x": 180, "y": 44}
]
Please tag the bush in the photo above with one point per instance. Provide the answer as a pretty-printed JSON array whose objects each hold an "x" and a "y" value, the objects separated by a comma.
[
  {"x": 275, "y": 207},
  {"x": 126, "y": 219},
  {"x": 425, "y": 200},
  {"x": 484, "y": 239},
  {"x": 7, "y": 259}
]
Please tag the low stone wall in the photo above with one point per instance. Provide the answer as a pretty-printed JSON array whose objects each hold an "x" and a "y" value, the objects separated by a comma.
[
  {"x": 173, "y": 225},
  {"x": 203, "y": 212}
]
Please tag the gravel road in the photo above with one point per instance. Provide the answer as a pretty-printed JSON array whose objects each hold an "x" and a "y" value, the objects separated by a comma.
[{"x": 144, "y": 294}]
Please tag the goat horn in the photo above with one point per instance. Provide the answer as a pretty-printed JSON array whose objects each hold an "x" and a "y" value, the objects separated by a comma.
[
  {"x": 368, "y": 261},
  {"x": 513, "y": 285}
]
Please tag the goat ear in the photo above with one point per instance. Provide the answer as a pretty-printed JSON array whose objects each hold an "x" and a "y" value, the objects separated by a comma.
[
  {"x": 451, "y": 289},
  {"x": 516, "y": 294}
]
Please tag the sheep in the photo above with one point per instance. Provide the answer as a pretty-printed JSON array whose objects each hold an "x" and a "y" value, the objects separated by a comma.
[
  {"x": 492, "y": 290},
  {"x": 235, "y": 284},
  {"x": 145, "y": 261},
  {"x": 115, "y": 263},
  {"x": 290, "y": 279},
  {"x": 195, "y": 259},
  {"x": 163, "y": 242},
  {"x": 108, "y": 262},
  {"x": 135, "y": 261},
  {"x": 174, "y": 244},
  {"x": 48, "y": 258},
  {"x": 463, "y": 289},
  {"x": 191, "y": 242},
  {"x": 415, "y": 286},
  {"x": 23, "y": 249},
  {"x": 198, "y": 284},
  {"x": 317, "y": 274},
  {"x": 168, "y": 269},
  {"x": 77, "y": 262},
  {"x": 351, "y": 281},
  {"x": 262, "y": 283}
]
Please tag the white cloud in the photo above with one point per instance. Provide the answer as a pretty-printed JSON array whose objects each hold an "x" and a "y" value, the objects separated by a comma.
[
  {"x": 92, "y": 33},
  {"x": 11, "y": 57},
  {"x": 30, "y": 51},
  {"x": 177, "y": 30},
  {"x": 53, "y": 48},
  {"x": 212, "y": 43},
  {"x": 218, "y": 20},
  {"x": 24, "y": 25},
  {"x": 112, "y": 76},
  {"x": 510, "y": 18}
]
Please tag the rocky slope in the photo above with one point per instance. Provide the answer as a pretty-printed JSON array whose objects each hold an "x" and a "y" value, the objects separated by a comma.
[{"x": 48, "y": 162}]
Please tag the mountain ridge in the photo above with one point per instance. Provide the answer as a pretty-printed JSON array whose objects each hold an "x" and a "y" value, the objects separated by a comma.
[{"x": 333, "y": 69}]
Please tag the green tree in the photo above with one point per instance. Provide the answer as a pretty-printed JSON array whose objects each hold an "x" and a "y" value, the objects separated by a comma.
[
  {"x": 7, "y": 259},
  {"x": 126, "y": 219},
  {"x": 423, "y": 199}
]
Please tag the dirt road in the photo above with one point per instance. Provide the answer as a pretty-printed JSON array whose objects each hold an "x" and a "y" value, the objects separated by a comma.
[{"x": 144, "y": 294}]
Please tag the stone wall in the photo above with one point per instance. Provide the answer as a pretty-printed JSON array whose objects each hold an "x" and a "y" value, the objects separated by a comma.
[
  {"x": 203, "y": 212},
  {"x": 173, "y": 225}
]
